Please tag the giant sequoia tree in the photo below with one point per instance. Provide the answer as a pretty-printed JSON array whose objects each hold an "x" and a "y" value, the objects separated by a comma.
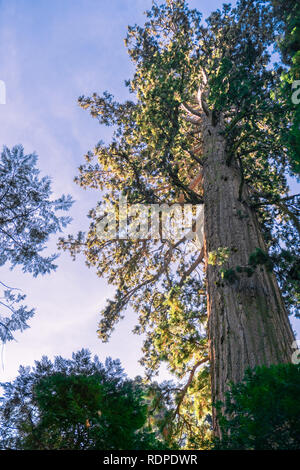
[{"x": 204, "y": 127}]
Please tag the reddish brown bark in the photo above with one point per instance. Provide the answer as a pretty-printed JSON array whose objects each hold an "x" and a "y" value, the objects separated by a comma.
[{"x": 248, "y": 323}]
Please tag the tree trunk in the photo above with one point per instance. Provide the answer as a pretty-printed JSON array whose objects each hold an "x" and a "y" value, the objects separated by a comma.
[{"x": 248, "y": 323}]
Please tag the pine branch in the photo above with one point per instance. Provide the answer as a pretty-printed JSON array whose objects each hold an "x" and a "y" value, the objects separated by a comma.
[{"x": 190, "y": 379}]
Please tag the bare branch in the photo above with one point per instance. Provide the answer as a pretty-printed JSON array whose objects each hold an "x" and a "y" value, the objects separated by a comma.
[
  {"x": 190, "y": 110},
  {"x": 193, "y": 184},
  {"x": 192, "y": 267},
  {"x": 202, "y": 102},
  {"x": 185, "y": 388}
]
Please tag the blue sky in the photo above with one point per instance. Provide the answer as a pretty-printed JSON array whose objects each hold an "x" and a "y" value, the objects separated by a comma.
[{"x": 51, "y": 52}]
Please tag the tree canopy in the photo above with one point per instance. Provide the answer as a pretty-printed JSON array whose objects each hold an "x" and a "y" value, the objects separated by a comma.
[
  {"x": 27, "y": 218},
  {"x": 287, "y": 15},
  {"x": 263, "y": 410},
  {"x": 76, "y": 404}
]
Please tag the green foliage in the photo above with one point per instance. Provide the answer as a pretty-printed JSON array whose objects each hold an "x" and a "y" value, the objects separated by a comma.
[
  {"x": 219, "y": 256},
  {"x": 263, "y": 411},
  {"x": 177, "y": 409},
  {"x": 75, "y": 404},
  {"x": 260, "y": 257},
  {"x": 287, "y": 16},
  {"x": 28, "y": 216},
  {"x": 229, "y": 275}
]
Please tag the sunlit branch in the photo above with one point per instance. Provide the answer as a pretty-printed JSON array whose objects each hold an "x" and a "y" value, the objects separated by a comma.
[{"x": 190, "y": 379}]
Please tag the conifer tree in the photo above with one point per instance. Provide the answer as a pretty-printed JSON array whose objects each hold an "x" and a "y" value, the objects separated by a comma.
[
  {"x": 74, "y": 404},
  {"x": 28, "y": 216},
  {"x": 204, "y": 126}
]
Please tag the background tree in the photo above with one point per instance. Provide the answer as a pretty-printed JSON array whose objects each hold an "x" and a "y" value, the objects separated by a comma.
[
  {"x": 75, "y": 404},
  {"x": 263, "y": 411},
  {"x": 287, "y": 15},
  {"x": 27, "y": 217},
  {"x": 205, "y": 126}
]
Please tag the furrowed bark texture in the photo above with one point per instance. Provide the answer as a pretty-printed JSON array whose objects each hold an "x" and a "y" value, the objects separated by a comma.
[{"x": 248, "y": 323}]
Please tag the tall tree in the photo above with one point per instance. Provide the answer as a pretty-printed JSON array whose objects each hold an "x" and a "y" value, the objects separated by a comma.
[
  {"x": 27, "y": 217},
  {"x": 77, "y": 404},
  {"x": 204, "y": 127},
  {"x": 287, "y": 19}
]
